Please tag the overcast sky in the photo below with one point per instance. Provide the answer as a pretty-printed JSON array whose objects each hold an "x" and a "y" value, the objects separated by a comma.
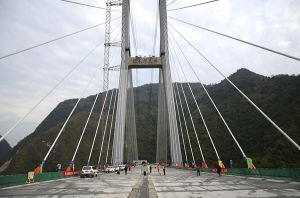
[{"x": 26, "y": 77}]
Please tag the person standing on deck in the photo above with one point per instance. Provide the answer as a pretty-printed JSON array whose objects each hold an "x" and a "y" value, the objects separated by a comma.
[
  {"x": 125, "y": 169},
  {"x": 198, "y": 170},
  {"x": 219, "y": 170}
]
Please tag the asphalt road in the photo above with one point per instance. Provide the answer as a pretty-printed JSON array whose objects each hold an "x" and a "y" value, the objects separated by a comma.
[{"x": 176, "y": 183}]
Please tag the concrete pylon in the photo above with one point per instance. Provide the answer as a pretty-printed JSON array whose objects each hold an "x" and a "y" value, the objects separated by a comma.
[
  {"x": 176, "y": 156},
  {"x": 167, "y": 124},
  {"x": 130, "y": 125},
  {"x": 123, "y": 84},
  {"x": 162, "y": 124}
]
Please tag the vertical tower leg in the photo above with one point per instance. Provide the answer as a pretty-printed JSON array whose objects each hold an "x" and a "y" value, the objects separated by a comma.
[
  {"x": 106, "y": 46},
  {"x": 130, "y": 129},
  {"x": 123, "y": 82},
  {"x": 166, "y": 73},
  {"x": 162, "y": 123}
]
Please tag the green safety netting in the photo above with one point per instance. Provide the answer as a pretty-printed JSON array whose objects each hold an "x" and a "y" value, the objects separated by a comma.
[
  {"x": 12, "y": 180},
  {"x": 285, "y": 174}
]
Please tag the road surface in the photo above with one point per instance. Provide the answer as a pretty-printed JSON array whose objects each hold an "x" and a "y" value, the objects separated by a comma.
[
  {"x": 182, "y": 183},
  {"x": 176, "y": 183}
]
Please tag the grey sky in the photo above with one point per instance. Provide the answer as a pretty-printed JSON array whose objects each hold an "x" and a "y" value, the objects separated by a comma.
[{"x": 26, "y": 77}]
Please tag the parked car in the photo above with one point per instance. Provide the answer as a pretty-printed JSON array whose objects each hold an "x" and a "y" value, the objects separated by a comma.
[
  {"x": 117, "y": 168},
  {"x": 89, "y": 171},
  {"x": 110, "y": 169},
  {"x": 122, "y": 167}
]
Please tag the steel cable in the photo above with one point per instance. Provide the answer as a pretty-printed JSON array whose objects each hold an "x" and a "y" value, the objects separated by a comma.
[
  {"x": 52, "y": 40},
  {"x": 240, "y": 40},
  {"x": 49, "y": 92},
  {"x": 198, "y": 4}
]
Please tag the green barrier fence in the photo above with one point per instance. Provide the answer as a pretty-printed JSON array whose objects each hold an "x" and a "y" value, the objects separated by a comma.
[
  {"x": 12, "y": 180},
  {"x": 284, "y": 174},
  {"x": 48, "y": 176}
]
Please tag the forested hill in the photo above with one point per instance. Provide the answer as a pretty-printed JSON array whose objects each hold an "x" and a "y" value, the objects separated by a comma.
[
  {"x": 4, "y": 148},
  {"x": 278, "y": 96}
]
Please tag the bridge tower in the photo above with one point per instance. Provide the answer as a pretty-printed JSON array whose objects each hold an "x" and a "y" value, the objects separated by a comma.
[{"x": 125, "y": 115}]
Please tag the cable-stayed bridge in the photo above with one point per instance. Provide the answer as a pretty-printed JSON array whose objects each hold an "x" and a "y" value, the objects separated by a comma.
[{"x": 174, "y": 111}]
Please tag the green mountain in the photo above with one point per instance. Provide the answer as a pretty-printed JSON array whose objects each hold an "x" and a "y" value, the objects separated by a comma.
[
  {"x": 277, "y": 96},
  {"x": 4, "y": 148}
]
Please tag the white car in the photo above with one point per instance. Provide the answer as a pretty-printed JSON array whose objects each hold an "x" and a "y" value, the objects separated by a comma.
[
  {"x": 117, "y": 168},
  {"x": 110, "y": 169},
  {"x": 89, "y": 171},
  {"x": 122, "y": 167}
]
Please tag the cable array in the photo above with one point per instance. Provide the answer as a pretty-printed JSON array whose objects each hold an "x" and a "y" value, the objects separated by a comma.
[
  {"x": 180, "y": 126},
  {"x": 67, "y": 120},
  {"x": 50, "y": 91},
  {"x": 133, "y": 28},
  {"x": 190, "y": 115},
  {"x": 83, "y": 131},
  {"x": 111, "y": 126},
  {"x": 242, "y": 93},
  {"x": 184, "y": 119},
  {"x": 182, "y": 70}
]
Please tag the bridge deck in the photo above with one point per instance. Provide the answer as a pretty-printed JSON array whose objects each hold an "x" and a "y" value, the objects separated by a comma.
[
  {"x": 182, "y": 183},
  {"x": 177, "y": 183}
]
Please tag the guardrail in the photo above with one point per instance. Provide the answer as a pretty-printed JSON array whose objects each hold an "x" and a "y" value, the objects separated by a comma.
[
  {"x": 13, "y": 180},
  {"x": 283, "y": 174}
]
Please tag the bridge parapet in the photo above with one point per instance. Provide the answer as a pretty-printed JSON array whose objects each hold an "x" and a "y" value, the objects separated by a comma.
[
  {"x": 13, "y": 180},
  {"x": 291, "y": 174}
]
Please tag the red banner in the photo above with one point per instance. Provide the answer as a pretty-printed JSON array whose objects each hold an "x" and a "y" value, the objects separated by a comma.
[
  {"x": 70, "y": 173},
  {"x": 223, "y": 170}
]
